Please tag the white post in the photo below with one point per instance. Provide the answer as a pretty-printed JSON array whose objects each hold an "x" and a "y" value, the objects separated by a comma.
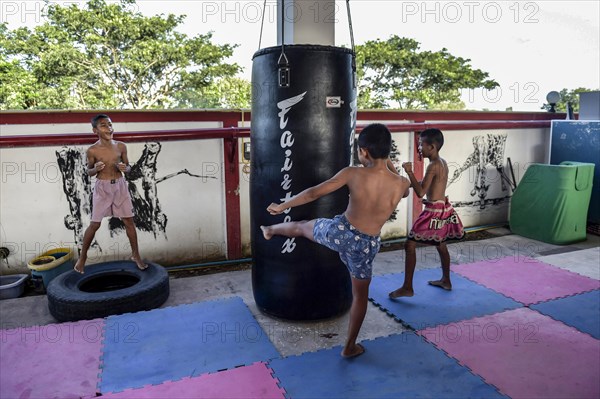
[{"x": 307, "y": 21}]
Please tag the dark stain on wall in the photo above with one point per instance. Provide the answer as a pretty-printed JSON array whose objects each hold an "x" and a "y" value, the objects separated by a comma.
[
  {"x": 148, "y": 215},
  {"x": 146, "y": 205},
  {"x": 77, "y": 188}
]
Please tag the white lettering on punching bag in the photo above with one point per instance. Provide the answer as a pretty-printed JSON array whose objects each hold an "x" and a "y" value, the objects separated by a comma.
[
  {"x": 287, "y": 142},
  {"x": 285, "y": 106},
  {"x": 353, "y": 112}
]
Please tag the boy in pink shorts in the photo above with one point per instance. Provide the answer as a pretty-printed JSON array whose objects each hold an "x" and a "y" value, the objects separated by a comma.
[{"x": 107, "y": 160}]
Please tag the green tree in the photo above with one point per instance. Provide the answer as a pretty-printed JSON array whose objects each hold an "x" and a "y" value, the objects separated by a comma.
[
  {"x": 106, "y": 56},
  {"x": 228, "y": 92},
  {"x": 19, "y": 87},
  {"x": 568, "y": 96},
  {"x": 396, "y": 74}
]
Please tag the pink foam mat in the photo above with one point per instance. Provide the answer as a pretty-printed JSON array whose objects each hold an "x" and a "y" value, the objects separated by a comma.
[
  {"x": 51, "y": 361},
  {"x": 524, "y": 354},
  {"x": 525, "y": 279},
  {"x": 254, "y": 381}
]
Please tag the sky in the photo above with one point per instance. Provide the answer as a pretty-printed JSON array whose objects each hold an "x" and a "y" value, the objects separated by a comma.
[{"x": 529, "y": 47}]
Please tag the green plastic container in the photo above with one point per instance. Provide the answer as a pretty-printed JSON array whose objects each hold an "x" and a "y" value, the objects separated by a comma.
[
  {"x": 51, "y": 264},
  {"x": 551, "y": 202}
]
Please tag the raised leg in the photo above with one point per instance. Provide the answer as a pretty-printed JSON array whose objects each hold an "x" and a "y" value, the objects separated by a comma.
[{"x": 303, "y": 228}]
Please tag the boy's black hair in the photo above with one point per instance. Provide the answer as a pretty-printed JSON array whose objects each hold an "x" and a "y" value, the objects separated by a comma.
[
  {"x": 433, "y": 136},
  {"x": 96, "y": 118},
  {"x": 377, "y": 139}
]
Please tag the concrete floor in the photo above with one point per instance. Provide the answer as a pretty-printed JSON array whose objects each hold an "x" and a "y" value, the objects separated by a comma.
[{"x": 294, "y": 338}]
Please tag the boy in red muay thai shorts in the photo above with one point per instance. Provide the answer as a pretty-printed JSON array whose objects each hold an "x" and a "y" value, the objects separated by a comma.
[{"x": 438, "y": 222}]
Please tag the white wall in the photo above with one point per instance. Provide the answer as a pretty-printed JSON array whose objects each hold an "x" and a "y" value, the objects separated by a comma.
[
  {"x": 244, "y": 192},
  {"x": 33, "y": 203},
  {"x": 399, "y": 226},
  {"x": 522, "y": 146}
]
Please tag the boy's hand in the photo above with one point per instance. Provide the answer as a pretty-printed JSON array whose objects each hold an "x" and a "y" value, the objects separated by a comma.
[
  {"x": 407, "y": 166},
  {"x": 122, "y": 167},
  {"x": 99, "y": 166},
  {"x": 275, "y": 209}
]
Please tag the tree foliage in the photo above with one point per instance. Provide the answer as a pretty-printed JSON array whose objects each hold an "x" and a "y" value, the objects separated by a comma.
[
  {"x": 568, "y": 96},
  {"x": 106, "y": 56},
  {"x": 228, "y": 92},
  {"x": 396, "y": 74}
]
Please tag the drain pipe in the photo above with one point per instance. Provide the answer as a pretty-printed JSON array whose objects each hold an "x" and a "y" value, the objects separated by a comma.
[
  {"x": 485, "y": 227},
  {"x": 199, "y": 266}
]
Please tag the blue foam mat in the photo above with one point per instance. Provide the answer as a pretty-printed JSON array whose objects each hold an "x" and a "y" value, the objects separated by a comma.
[
  {"x": 581, "y": 311},
  {"x": 433, "y": 306},
  {"x": 184, "y": 341},
  {"x": 399, "y": 366}
]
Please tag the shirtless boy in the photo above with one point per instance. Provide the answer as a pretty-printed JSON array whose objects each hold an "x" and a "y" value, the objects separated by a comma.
[
  {"x": 107, "y": 160},
  {"x": 375, "y": 191},
  {"x": 438, "y": 221}
]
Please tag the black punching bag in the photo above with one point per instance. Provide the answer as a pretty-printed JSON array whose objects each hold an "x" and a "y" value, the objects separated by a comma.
[{"x": 303, "y": 120}]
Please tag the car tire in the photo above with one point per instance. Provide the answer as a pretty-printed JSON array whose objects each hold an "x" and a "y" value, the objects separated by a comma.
[{"x": 106, "y": 289}]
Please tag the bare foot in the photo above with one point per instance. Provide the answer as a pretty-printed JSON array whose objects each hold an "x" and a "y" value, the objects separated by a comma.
[
  {"x": 400, "y": 292},
  {"x": 266, "y": 232},
  {"x": 357, "y": 350},
  {"x": 79, "y": 265},
  {"x": 140, "y": 264},
  {"x": 442, "y": 284}
]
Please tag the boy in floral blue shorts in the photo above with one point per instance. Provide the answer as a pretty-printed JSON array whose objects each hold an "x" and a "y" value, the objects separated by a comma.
[
  {"x": 375, "y": 191},
  {"x": 357, "y": 250}
]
